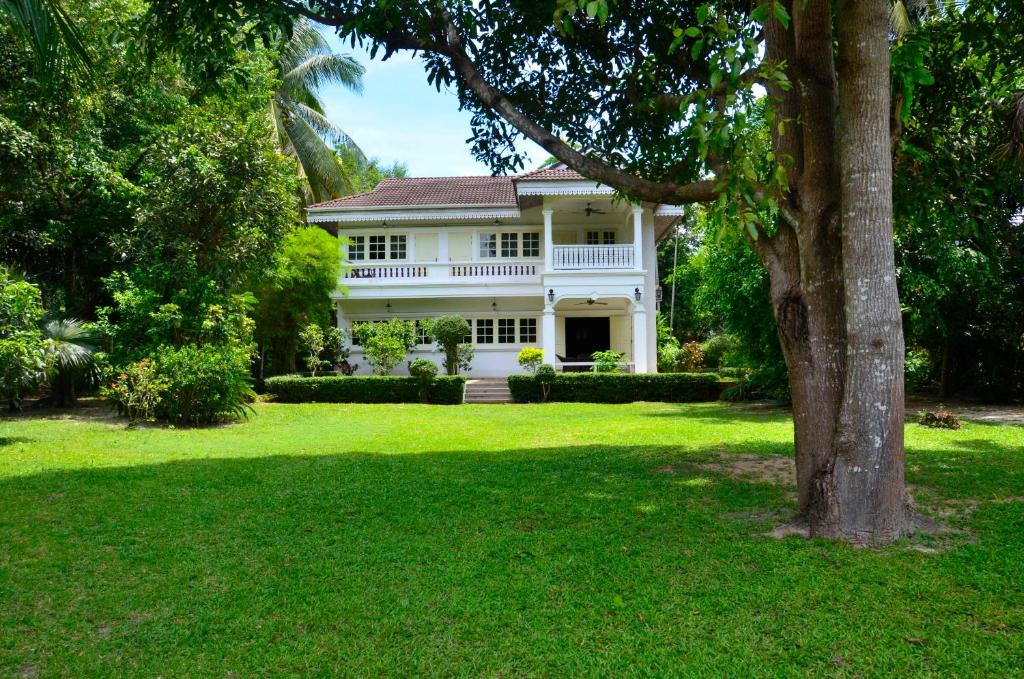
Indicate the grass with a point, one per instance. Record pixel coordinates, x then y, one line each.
406 540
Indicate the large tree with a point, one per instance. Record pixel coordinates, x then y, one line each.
654 98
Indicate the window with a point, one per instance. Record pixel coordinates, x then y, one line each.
600 238
506 331
357 248
510 244
468 338
397 247
488 245
485 331
531 244
421 333
377 247
527 330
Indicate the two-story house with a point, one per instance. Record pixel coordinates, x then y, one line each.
546 259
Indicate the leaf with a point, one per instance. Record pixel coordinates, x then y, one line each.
592 9
693 32
716 78
696 49
752 230
781 14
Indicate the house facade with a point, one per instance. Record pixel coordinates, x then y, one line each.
545 259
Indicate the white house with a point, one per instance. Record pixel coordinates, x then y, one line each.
546 259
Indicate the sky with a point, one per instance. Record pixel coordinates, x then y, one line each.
399 117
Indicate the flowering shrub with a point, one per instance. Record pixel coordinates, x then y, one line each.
137 390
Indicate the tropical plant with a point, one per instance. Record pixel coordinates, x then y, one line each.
205 384
386 344
530 358
56 43
303 131
450 333
70 348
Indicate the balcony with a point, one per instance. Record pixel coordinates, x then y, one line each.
587 257
454 272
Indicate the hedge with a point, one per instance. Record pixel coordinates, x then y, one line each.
619 387
363 389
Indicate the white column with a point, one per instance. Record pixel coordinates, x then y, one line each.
639 338
638 237
549 245
442 247
547 334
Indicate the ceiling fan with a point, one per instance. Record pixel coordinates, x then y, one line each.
591 301
593 211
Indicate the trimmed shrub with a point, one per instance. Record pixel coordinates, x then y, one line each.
530 358
618 388
425 372
364 389
691 358
205 384
449 333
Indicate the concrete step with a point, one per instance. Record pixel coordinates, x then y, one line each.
487 391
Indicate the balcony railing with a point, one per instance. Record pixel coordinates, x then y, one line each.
568 257
438 272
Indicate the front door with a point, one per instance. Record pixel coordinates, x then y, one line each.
585 335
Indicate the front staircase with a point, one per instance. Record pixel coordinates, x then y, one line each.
488 390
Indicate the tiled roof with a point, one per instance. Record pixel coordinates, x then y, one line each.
427 191
437 191
550 173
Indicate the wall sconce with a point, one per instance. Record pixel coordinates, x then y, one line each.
388 306
636 294
551 295
658 294
494 306
384 223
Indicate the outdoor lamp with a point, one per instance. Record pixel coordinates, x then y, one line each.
551 294
636 294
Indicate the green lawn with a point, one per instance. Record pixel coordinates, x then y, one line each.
485 541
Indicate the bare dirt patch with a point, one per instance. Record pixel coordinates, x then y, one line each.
753 468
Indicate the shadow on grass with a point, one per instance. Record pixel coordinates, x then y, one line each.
574 560
725 413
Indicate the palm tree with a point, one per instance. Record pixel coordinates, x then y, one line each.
70 354
303 131
56 43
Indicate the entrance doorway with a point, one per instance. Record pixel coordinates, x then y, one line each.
585 335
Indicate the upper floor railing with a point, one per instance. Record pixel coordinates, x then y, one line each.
592 257
442 272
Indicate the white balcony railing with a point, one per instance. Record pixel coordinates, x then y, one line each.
567 257
454 272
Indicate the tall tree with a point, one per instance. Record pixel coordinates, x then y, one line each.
304 133
657 94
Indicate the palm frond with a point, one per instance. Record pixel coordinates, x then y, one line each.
331 132
55 41
70 342
320 164
318 70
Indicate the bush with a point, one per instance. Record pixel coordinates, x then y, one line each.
318 342
607 361
669 356
137 390
450 332
530 358
691 358
423 371
386 344
719 350
369 389
206 384
545 377
616 388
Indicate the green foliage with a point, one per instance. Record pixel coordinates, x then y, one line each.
450 333
322 347
530 358
23 348
720 350
364 174
205 384
544 378
56 42
607 361
615 388
294 293
136 390
71 349
917 367
386 344
445 390
424 371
